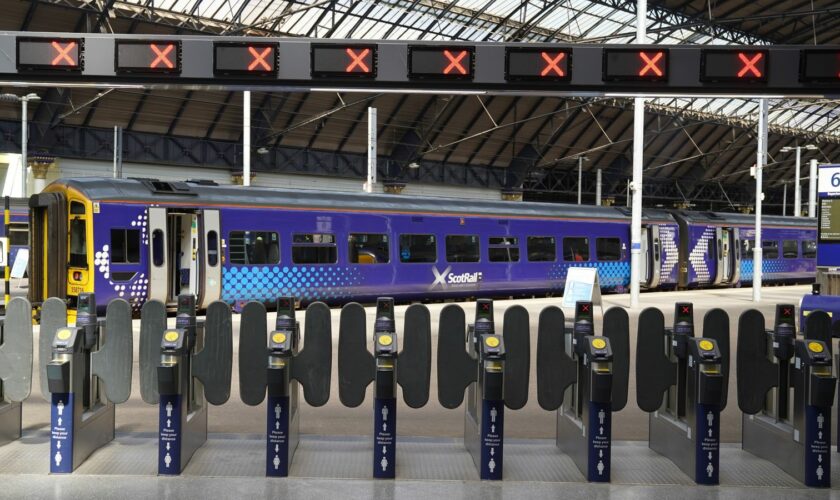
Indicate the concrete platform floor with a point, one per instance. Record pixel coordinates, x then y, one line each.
434 420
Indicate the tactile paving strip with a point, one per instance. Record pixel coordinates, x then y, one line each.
230 455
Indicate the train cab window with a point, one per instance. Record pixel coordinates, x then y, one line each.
809 249
418 248
790 249
462 248
770 249
314 248
254 247
541 249
366 248
125 246
78 235
747 249
18 235
608 249
503 249
576 249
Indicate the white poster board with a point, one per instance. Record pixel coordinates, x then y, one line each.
20 264
581 284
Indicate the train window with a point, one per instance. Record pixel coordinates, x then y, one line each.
790 249
462 248
770 249
366 248
576 249
19 235
77 208
157 247
541 249
212 248
314 248
254 247
125 246
78 243
607 249
747 249
809 249
504 249
418 248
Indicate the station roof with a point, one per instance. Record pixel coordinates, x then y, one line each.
693 140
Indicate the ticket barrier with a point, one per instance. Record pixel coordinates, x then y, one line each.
15 366
387 367
274 363
85 372
584 377
182 369
493 371
793 433
682 382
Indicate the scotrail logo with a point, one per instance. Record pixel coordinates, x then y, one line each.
446 278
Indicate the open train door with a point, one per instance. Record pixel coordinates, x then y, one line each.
650 256
185 255
48 251
727 256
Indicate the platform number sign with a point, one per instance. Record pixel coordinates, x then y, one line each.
734 65
441 62
49 54
148 57
245 59
635 65
828 179
356 61
543 64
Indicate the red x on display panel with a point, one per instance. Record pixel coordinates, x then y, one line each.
344 60
49 54
148 56
538 64
820 66
733 65
635 65
247 59
440 62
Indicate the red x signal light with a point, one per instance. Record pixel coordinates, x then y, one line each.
258 59
455 62
357 60
552 64
651 63
63 54
161 55
750 68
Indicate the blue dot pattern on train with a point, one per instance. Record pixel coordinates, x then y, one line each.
265 283
610 274
768 266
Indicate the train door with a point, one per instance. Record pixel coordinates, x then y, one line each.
727 256
185 256
651 253
48 259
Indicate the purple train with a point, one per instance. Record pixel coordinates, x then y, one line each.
142 239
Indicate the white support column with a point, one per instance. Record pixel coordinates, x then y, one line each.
370 185
797 193
580 179
246 138
638 164
761 160
812 190
24 140
784 199
598 187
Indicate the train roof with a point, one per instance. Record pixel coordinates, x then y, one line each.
744 219
202 193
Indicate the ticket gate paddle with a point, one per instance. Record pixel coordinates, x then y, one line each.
15 366
585 378
681 380
171 361
794 434
85 371
493 372
386 368
287 369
